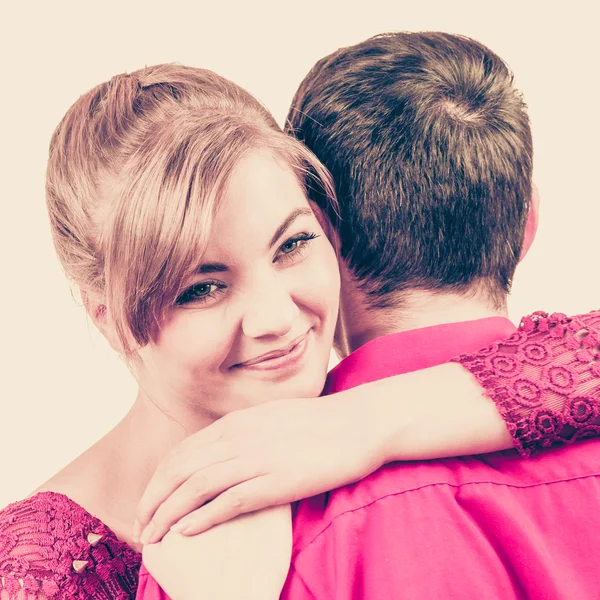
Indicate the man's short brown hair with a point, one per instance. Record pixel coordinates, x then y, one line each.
430 148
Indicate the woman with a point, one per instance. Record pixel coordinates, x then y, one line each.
180 209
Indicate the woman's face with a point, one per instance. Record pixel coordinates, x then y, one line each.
256 323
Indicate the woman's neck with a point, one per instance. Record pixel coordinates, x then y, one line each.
110 477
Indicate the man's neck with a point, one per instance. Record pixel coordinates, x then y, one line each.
359 324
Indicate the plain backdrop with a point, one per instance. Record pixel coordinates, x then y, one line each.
61 387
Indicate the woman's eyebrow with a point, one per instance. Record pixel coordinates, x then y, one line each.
212 268
295 214
299 212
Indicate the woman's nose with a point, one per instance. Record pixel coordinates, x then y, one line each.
270 312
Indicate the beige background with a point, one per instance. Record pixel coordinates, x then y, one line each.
60 386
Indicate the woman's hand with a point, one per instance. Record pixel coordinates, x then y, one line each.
287 450
262 456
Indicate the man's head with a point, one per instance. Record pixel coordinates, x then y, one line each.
430 148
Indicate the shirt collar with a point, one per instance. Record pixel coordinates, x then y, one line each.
415 350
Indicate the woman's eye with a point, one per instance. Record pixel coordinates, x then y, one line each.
295 246
290 246
200 292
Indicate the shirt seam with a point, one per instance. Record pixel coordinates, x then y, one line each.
436 484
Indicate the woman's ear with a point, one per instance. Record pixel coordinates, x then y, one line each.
532 221
95 306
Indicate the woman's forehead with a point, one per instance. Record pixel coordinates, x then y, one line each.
260 196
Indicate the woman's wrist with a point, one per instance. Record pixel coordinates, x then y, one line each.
373 418
433 413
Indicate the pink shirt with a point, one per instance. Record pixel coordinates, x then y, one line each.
148 588
485 527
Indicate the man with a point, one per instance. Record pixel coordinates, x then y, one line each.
430 148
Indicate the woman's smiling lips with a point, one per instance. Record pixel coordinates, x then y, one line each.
278 359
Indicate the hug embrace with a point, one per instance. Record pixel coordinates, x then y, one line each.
445 456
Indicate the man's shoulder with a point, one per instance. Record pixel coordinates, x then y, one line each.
400 485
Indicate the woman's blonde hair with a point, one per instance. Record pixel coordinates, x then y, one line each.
136 170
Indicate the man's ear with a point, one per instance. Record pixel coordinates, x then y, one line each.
96 308
532 221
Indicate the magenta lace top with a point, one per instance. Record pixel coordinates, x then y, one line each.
545 381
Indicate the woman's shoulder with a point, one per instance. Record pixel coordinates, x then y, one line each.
52 547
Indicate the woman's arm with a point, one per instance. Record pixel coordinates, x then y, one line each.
247 557
545 380
291 449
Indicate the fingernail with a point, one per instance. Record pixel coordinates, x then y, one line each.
147 533
179 527
137 530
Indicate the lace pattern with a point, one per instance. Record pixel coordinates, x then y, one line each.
52 549
545 379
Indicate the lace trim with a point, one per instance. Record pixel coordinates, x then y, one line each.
545 379
50 547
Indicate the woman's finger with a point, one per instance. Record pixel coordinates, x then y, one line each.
252 495
201 487
172 472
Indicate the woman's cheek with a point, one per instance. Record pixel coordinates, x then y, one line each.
327 277
320 283
197 338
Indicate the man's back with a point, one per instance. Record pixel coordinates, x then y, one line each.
481 527
491 526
